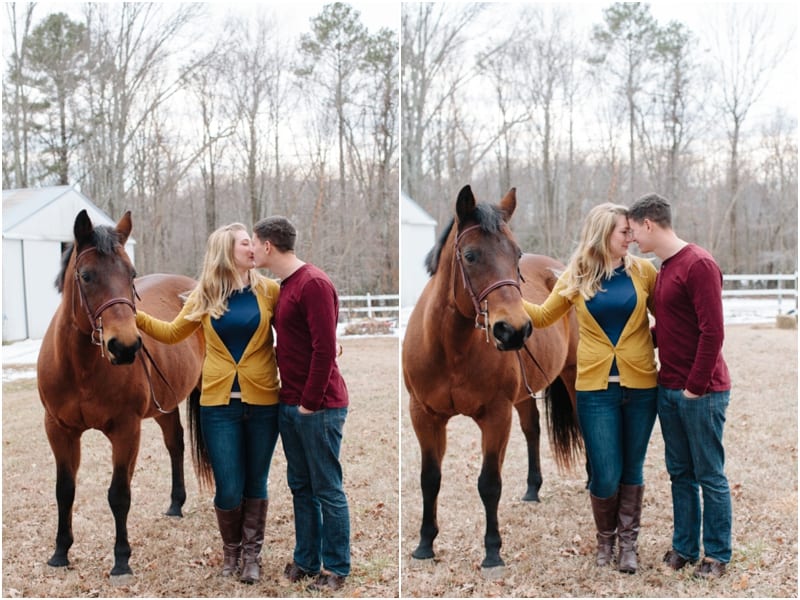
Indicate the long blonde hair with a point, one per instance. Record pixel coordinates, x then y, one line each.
219 277
591 262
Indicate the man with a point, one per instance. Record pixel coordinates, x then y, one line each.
694 387
313 407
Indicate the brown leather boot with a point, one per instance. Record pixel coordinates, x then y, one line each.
253 522
605 519
630 513
230 528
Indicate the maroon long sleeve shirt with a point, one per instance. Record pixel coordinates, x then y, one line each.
689 323
306 349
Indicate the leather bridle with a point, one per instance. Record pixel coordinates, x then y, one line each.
483 311
479 299
95 316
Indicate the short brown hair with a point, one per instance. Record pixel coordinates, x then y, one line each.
278 231
652 207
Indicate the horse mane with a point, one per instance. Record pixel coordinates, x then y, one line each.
489 218
105 240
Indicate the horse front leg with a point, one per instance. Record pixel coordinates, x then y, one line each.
172 431
431 434
495 428
529 421
66 447
125 449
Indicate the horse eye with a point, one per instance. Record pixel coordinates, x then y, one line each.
86 276
134 274
470 256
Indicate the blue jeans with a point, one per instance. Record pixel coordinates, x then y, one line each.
321 515
240 439
616 424
695 458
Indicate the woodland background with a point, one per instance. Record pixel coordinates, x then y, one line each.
575 105
194 115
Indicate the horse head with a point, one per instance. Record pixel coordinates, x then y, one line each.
487 258
98 271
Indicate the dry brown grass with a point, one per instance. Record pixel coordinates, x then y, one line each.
548 547
181 557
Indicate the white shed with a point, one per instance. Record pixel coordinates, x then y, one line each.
37 226
417 237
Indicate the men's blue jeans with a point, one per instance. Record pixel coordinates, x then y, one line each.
321 514
240 439
695 457
616 424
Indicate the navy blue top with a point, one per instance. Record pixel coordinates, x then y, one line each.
237 326
612 306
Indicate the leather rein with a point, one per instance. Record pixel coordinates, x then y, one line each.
95 318
482 312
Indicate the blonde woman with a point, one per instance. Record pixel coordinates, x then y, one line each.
234 305
611 292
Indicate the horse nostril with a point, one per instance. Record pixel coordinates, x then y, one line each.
528 329
508 337
123 354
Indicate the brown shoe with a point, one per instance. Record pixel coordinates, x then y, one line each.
675 561
710 569
294 573
326 582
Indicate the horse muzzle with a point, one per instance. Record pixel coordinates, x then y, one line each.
507 337
120 353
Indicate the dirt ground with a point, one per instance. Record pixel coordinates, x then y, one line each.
181 557
549 547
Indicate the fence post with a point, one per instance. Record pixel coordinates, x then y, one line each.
369 305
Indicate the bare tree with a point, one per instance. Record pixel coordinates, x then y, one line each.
129 48
432 37
16 109
546 55
745 53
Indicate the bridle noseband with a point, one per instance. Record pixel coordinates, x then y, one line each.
95 316
481 298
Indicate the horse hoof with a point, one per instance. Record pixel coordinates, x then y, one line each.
58 561
493 573
122 578
422 554
174 512
530 497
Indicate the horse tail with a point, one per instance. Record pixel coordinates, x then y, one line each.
566 441
202 464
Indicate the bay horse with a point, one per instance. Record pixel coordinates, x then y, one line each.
461 355
89 376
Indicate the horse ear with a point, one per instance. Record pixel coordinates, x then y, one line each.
509 203
465 205
83 228
124 227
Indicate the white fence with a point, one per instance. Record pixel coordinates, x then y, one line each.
782 288
369 306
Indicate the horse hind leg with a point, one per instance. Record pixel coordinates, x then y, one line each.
66 449
431 434
172 431
529 422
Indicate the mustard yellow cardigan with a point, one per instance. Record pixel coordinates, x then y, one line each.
257 369
634 350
